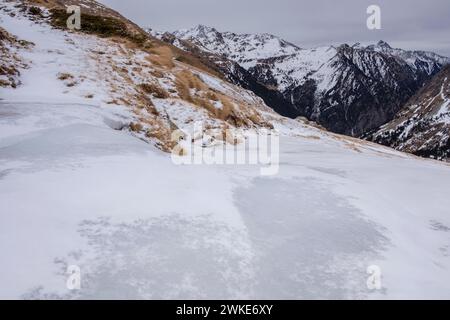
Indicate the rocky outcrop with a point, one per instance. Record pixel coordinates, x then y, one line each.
422 126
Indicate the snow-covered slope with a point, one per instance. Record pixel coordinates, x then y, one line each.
348 90
75 192
422 127
150 82
80 185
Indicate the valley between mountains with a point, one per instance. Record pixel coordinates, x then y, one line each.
347 89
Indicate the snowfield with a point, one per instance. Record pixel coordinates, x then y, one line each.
75 189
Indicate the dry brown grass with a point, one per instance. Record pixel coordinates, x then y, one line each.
206 104
226 110
182 86
197 61
157 74
136 127
161 133
190 80
211 95
45 3
4 83
144 102
353 147
232 137
183 91
125 101
161 57
113 101
154 89
311 137
71 84
185 81
206 97
254 117
225 113
94 13
64 76
8 70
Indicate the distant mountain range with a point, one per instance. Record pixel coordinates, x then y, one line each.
348 89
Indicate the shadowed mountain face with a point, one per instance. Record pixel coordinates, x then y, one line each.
422 126
347 89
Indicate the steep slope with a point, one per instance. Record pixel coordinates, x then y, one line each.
422 126
161 87
83 187
347 89
11 61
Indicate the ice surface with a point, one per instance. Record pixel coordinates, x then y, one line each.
142 227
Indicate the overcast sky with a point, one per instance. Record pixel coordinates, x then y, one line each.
409 24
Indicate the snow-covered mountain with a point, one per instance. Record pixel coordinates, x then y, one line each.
347 89
422 127
245 49
86 181
423 61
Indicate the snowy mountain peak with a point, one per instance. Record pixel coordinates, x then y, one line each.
245 49
422 61
379 46
199 30
383 44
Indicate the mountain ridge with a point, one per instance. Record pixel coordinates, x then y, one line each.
339 87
